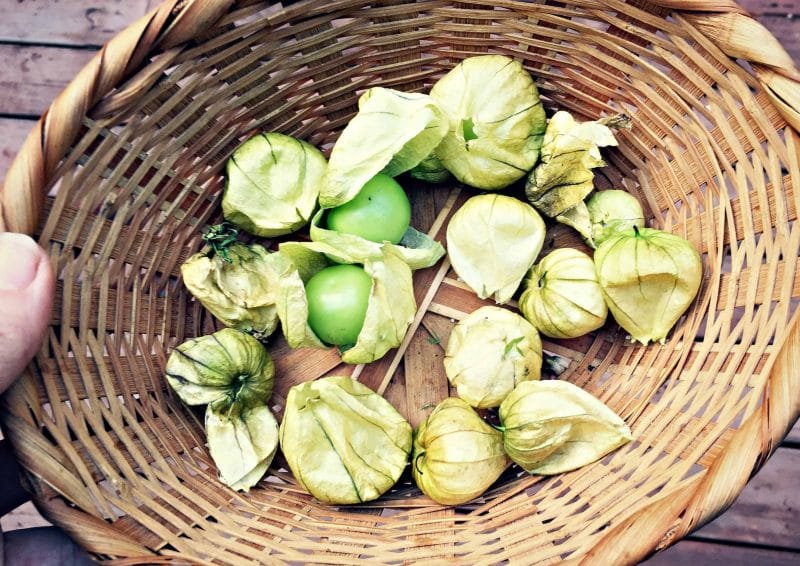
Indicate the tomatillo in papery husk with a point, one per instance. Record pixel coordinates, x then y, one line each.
648 278
343 442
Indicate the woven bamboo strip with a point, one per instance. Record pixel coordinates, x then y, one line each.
171 98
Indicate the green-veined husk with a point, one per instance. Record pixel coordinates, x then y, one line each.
272 184
392 132
489 352
227 364
562 297
343 442
550 427
649 278
492 241
457 456
496 121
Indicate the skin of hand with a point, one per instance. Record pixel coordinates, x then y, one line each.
27 284
26 294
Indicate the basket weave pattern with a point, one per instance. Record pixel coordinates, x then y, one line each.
123 172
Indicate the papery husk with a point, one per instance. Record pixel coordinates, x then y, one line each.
562 297
457 456
500 101
238 288
392 132
563 178
417 249
343 442
488 353
242 442
492 241
648 278
551 427
228 364
272 184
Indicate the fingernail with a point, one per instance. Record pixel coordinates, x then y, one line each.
19 261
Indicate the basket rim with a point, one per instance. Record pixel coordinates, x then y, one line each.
119 68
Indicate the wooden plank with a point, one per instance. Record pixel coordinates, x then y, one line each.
709 554
426 382
759 8
12 134
766 511
77 22
32 76
23 517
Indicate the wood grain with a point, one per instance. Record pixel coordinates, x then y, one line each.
766 511
76 22
32 76
794 434
12 133
691 552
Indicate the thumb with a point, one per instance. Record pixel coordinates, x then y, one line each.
26 296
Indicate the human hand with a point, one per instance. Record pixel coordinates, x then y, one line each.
27 284
26 295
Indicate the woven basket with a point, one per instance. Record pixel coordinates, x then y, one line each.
123 172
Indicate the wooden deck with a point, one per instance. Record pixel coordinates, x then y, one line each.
44 43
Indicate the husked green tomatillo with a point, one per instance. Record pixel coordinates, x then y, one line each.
648 278
457 456
562 297
390 308
489 352
550 427
343 442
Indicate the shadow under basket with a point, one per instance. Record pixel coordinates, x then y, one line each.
123 173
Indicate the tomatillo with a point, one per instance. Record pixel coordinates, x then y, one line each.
379 212
337 303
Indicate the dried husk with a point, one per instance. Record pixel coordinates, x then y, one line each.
562 297
489 352
551 427
563 178
343 442
457 456
239 288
